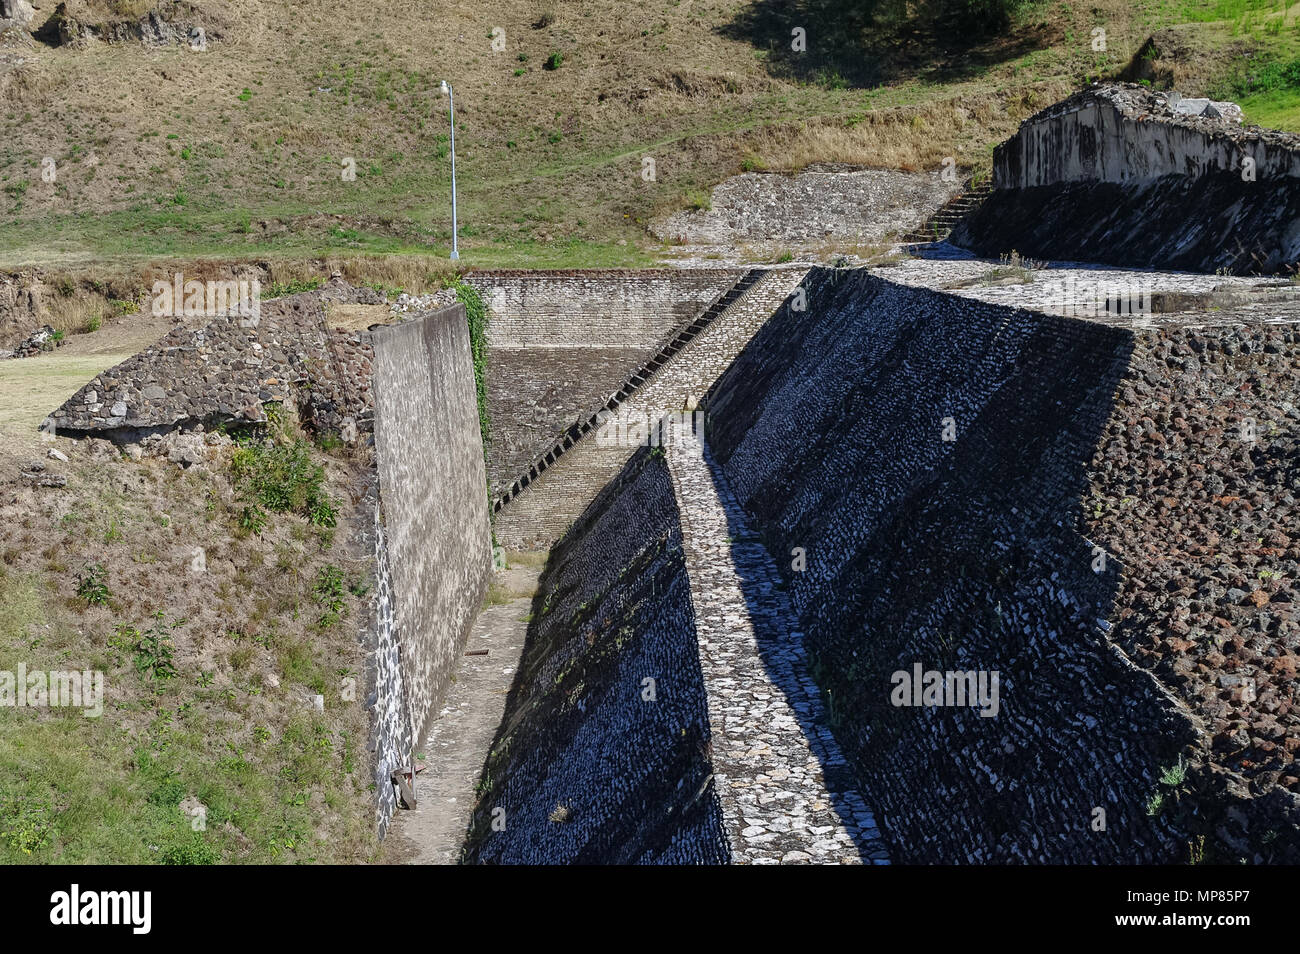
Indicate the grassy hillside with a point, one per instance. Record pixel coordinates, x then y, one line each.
238 151
209 747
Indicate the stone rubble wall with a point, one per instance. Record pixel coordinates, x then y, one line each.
225 369
546 508
562 342
956 555
1194 489
864 205
585 768
390 740
433 495
22 308
599 308
1116 175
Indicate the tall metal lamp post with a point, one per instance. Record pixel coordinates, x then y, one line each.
451 97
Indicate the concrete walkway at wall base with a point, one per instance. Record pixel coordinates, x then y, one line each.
788 794
460 738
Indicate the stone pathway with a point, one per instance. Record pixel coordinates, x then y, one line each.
461 736
787 792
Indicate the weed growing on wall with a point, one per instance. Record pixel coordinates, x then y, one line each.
476 314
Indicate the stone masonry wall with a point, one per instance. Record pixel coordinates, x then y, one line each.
434 501
561 342
226 368
1194 490
1114 175
608 308
541 514
586 767
957 555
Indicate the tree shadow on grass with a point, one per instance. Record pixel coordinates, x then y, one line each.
866 43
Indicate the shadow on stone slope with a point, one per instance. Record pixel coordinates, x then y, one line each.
586 768
955 555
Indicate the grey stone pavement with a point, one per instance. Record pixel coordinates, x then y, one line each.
461 736
788 794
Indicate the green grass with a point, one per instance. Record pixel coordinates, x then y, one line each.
548 162
1218 10
281 478
1268 91
110 790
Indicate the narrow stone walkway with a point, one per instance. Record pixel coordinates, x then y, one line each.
461 736
788 795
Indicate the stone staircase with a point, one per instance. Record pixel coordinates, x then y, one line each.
547 500
635 381
940 225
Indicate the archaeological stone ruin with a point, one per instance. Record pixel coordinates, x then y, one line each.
959 558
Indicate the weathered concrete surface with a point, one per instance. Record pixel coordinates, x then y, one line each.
1115 174
434 501
460 738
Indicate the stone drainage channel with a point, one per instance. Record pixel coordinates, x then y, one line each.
787 792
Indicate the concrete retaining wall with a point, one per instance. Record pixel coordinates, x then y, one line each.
433 495
1114 175
541 514
606 308
561 342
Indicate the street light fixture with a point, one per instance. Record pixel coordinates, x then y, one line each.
451 97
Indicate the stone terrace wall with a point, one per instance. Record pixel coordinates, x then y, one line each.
434 502
1114 175
608 308
956 555
563 341
228 367
586 768
543 512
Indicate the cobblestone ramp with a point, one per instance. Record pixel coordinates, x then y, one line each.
786 790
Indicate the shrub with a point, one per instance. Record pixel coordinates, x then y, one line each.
554 61
281 478
92 585
152 648
476 315
193 850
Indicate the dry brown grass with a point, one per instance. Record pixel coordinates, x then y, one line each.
911 138
545 155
